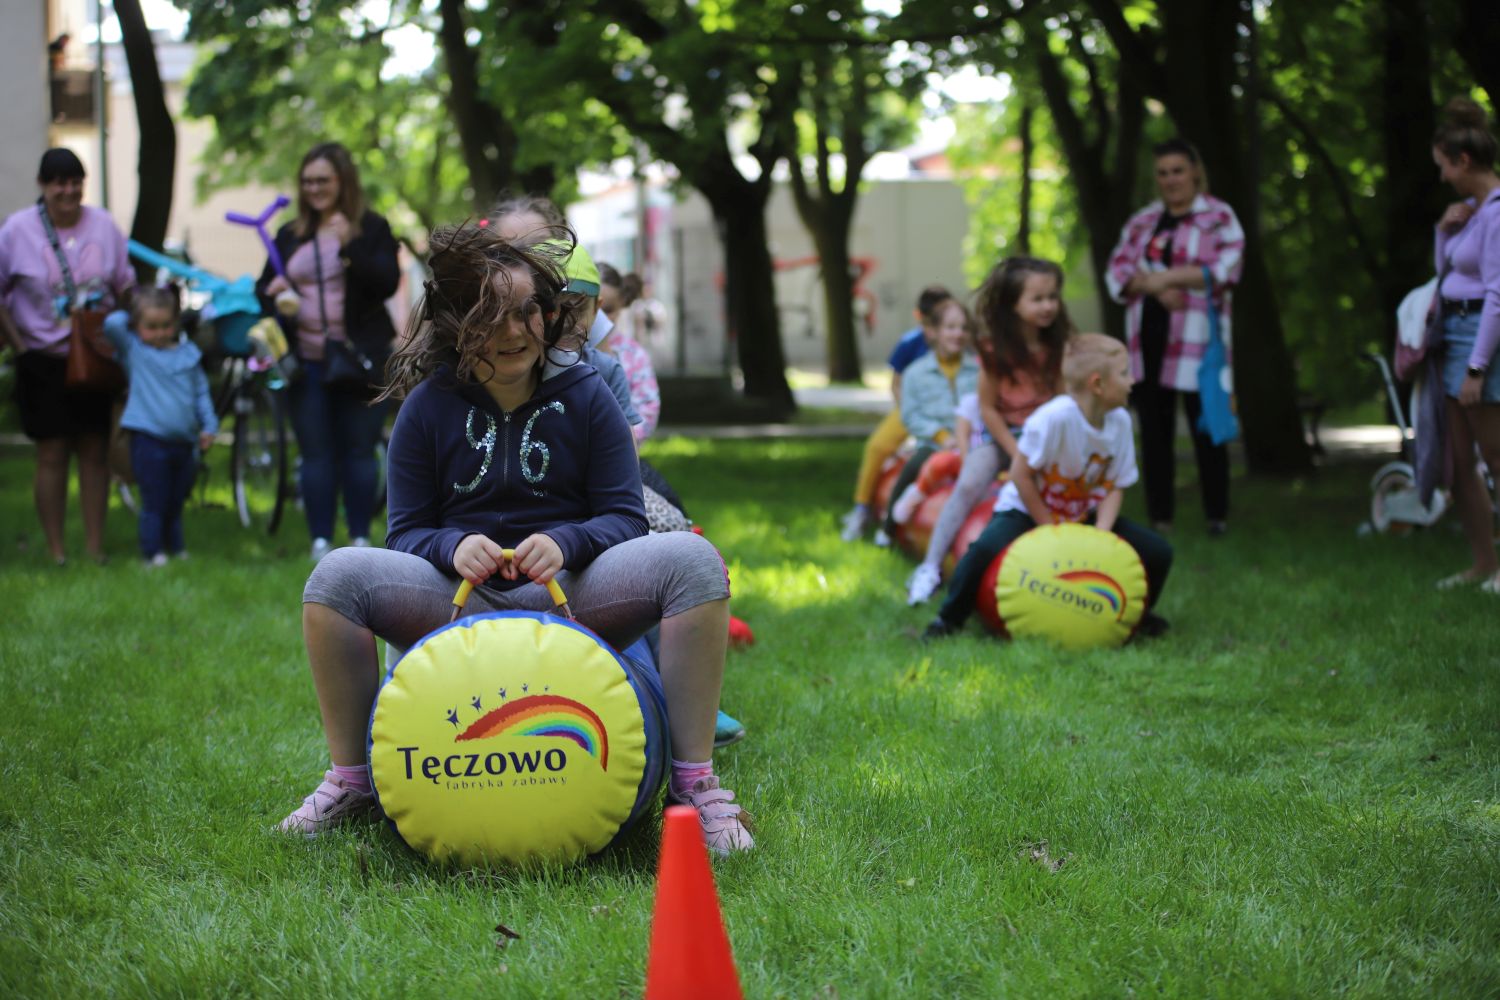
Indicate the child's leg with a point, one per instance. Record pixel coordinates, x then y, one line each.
184 469
680 579
980 467
963 590
352 596
1157 408
880 445
1213 462
1155 552
149 462
909 473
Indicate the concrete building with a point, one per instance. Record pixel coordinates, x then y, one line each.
52 100
907 233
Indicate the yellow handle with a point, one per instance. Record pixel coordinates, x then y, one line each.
466 588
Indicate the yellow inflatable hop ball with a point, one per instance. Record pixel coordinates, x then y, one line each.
1070 583
514 737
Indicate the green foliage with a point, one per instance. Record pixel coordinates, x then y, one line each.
1318 59
986 156
276 80
1291 794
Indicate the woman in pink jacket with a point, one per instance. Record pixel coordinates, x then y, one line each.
1156 271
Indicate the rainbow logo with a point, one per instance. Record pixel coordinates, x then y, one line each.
1100 585
545 715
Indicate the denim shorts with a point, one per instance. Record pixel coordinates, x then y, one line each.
1459 333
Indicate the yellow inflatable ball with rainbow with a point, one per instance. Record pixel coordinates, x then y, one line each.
514 737
1071 583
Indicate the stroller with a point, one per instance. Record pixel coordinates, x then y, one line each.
1395 503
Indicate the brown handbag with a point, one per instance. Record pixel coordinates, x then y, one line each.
91 363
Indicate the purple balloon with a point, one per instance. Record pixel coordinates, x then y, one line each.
258 223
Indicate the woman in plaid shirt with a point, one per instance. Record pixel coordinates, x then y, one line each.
1156 272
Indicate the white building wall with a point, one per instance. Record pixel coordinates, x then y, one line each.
25 112
913 229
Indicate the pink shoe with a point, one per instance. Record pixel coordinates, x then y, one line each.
331 804
726 827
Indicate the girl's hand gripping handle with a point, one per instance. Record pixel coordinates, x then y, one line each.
465 588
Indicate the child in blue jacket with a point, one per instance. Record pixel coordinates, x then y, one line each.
489 454
169 414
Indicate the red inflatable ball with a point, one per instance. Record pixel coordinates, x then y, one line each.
1070 583
939 471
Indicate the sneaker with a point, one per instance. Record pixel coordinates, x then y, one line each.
881 539
180 555
160 559
1218 529
726 827
727 730
360 543
320 548
906 505
939 629
331 804
855 522
924 580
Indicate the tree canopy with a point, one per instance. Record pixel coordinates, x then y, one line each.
1313 121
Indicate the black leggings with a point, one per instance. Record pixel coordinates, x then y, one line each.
1156 406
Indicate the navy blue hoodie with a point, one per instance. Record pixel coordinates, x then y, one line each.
563 463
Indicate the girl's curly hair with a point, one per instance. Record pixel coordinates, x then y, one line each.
469 294
1002 347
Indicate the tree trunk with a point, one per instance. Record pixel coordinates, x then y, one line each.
156 165
488 140
1103 178
1028 152
750 295
832 241
1408 121
1478 42
1201 78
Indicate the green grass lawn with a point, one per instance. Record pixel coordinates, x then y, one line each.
1295 793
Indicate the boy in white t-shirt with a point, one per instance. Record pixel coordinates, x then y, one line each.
1075 458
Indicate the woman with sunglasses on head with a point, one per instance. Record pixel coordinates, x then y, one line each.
341 267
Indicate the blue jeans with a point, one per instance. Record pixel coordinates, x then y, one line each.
336 435
164 473
1459 334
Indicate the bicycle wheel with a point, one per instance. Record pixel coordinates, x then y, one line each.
258 459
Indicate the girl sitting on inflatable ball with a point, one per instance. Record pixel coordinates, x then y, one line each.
1073 462
486 455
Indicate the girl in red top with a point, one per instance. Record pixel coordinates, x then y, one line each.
1023 326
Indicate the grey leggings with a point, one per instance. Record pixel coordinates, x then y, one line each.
981 465
620 595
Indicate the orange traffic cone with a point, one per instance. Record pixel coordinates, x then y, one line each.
690 957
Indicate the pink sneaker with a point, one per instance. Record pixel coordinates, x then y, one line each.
726 827
331 803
